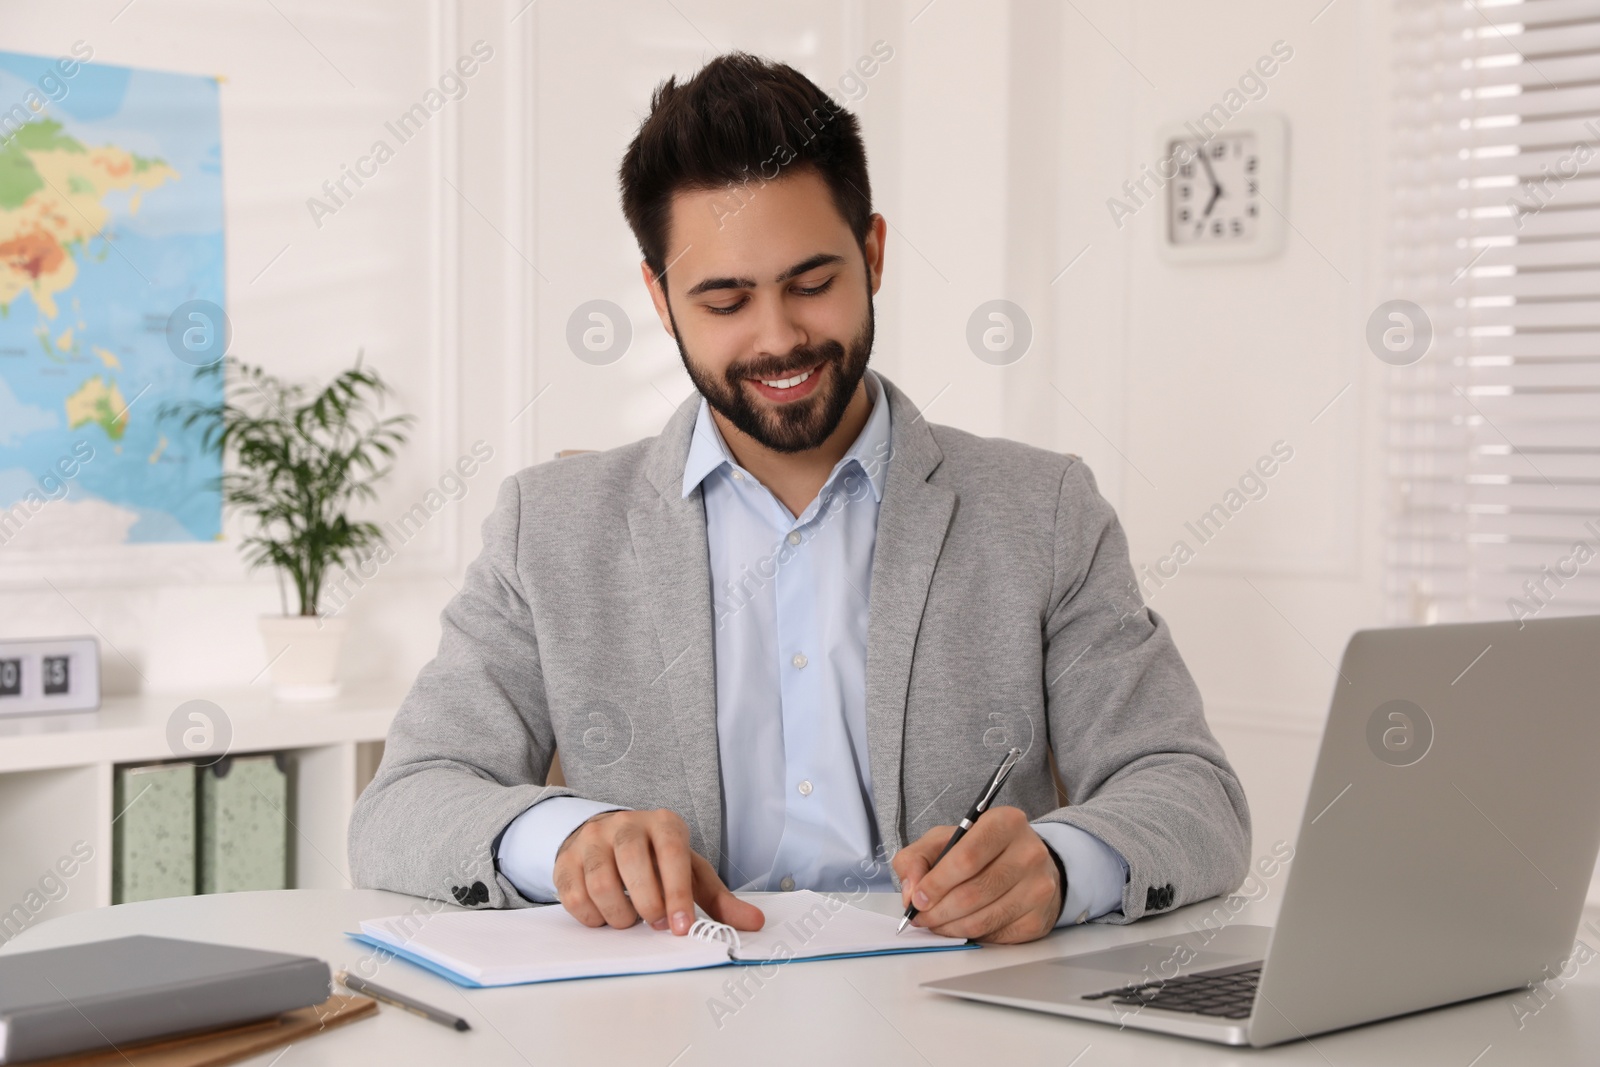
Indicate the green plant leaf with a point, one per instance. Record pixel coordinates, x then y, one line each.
299 460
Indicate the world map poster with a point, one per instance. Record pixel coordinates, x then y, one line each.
111 226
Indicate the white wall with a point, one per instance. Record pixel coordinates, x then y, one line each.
996 133
1207 366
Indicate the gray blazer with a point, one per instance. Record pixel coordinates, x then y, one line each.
1003 612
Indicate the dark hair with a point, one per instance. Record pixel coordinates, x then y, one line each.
740 119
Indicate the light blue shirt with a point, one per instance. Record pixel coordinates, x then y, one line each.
790 604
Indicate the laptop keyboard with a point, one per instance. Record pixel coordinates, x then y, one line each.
1226 994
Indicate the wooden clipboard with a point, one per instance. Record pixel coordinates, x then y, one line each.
217 1047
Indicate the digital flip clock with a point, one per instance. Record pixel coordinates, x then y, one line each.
51 674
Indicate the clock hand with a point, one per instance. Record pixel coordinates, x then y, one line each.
1206 163
1216 187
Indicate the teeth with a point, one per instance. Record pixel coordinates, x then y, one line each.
789 383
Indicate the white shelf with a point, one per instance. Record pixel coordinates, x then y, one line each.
134 729
56 786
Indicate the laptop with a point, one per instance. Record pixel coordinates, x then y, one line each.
1444 854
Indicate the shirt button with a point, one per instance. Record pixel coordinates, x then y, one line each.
738 475
787 884
1083 916
794 537
805 788
799 659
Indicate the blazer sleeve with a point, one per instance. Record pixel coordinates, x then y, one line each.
470 747
1142 770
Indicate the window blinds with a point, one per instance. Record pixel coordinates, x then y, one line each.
1493 438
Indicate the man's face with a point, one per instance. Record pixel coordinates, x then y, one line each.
766 284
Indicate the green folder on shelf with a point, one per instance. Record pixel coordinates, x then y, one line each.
244 828
153 832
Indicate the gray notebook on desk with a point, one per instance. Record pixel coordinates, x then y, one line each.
106 993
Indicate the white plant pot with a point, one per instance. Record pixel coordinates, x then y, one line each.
304 653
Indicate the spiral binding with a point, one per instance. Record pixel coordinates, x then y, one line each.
711 930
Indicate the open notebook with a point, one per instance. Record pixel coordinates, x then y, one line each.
492 948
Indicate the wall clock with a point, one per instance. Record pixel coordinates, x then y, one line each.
1225 199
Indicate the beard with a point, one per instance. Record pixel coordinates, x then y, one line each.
797 425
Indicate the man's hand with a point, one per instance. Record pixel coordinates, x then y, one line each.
647 854
998 884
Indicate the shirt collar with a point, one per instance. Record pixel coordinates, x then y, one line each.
870 450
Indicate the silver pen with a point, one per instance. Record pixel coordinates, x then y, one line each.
979 806
400 1000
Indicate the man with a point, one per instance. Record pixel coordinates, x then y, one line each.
783 644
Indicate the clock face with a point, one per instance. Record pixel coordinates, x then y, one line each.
1214 199
58 674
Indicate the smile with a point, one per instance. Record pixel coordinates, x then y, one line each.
788 383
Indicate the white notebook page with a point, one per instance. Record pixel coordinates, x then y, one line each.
507 947
540 944
803 925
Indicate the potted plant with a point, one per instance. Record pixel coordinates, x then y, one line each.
299 461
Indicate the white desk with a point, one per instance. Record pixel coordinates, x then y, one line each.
817 1014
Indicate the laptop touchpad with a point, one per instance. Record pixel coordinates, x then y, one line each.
1153 958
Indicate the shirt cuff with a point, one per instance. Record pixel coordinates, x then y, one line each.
527 851
1096 872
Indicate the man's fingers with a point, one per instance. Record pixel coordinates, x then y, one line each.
913 861
574 897
926 848
724 907
910 869
604 885
671 844
719 901
978 847
1015 916
637 868
976 893
910 878
639 864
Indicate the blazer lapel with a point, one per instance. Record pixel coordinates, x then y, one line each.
669 538
912 521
